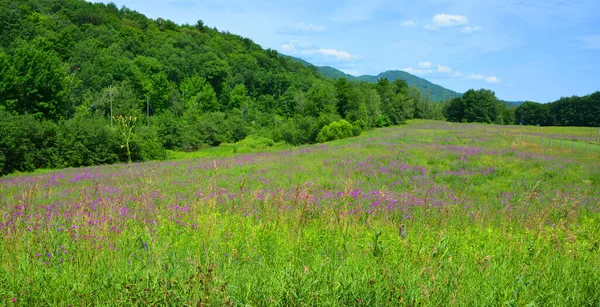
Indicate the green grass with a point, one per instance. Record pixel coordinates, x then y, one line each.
247 146
489 220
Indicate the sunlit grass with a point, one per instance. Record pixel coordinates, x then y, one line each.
489 219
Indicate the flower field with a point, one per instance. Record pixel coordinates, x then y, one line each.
430 213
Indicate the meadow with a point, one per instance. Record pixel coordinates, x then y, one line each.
430 213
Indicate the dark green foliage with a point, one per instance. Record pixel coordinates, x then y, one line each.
344 95
25 143
148 145
85 141
454 110
531 113
32 79
396 102
172 131
567 111
235 126
211 129
478 106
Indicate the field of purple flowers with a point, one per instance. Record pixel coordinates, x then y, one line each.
425 214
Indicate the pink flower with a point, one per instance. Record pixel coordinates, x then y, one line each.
14 299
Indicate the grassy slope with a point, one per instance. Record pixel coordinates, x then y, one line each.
490 220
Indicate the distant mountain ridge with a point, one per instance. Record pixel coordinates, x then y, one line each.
436 92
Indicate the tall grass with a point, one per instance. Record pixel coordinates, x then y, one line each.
425 214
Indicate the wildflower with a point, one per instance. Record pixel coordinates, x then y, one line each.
14 299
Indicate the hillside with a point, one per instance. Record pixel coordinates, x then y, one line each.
437 92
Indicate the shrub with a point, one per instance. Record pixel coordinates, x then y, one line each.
147 145
171 130
256 142
86 141
335 131
25 143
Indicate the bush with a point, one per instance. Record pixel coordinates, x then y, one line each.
147 145
256 142
171 130
236 126
86 141
25 143
211 129
335 131
358 127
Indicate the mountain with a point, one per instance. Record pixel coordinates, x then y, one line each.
512 104
436 92
332 73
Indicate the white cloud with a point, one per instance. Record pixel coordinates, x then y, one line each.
444 69
446 21
469 29
590 42
302 28
425 64
338 54
409 23
490 79
306 48
417 71
294 45
288 47
457 74
425 68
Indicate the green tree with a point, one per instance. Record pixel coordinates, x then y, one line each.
32 80
481 106
159 91
454 110
344 96
199 94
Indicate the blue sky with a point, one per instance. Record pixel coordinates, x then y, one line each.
522 50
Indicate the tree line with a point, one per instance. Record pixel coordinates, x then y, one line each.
567 111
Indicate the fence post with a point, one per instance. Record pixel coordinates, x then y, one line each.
550 142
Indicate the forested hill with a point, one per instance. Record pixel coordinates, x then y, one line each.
436 92
75 76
